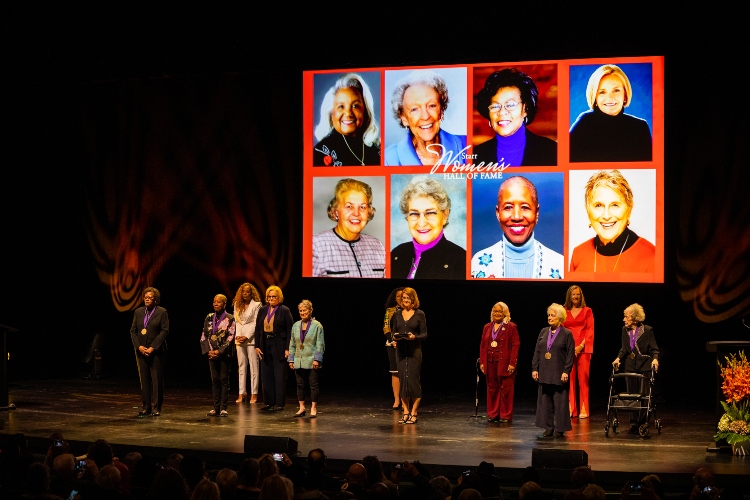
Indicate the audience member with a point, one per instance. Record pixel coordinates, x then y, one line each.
132 458
37 482
226 479
374 470
110 482
594 492
101 453
193 471
470 494
356 479
581 477
168 485
276 487
174 461
317 478
526 488
267 467
247 479
442 486
206 490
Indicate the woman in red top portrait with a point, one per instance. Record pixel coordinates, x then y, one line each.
498 359
580 321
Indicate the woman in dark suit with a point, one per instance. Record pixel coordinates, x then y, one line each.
273 331
498 359
149 335
553 359
640 354
409 329
508 101
217 340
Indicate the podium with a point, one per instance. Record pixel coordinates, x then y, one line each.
723 348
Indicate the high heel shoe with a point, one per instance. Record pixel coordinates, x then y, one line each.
300 414
241 399
412 420
405 419
254 398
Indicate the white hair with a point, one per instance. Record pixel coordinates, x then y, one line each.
371 135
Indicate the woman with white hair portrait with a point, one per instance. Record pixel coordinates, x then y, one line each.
605 132
348 133
419 102
426 207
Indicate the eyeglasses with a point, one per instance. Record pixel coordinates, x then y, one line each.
430 215
269 297
509 106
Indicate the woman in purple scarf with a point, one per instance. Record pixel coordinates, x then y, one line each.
217 340
426 208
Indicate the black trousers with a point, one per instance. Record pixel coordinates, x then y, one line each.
307 377
151 371
273 369
220 381
552 410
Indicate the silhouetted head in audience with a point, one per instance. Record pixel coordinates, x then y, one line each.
64 467
316 460
174 460
109 478
276 488
226 479
356 475
101 453
37 479
528 488
379 491
247 477
582 476
594 492
470 494
653 481
168 485
206 490
374 470
442 486
133 457
267 467
530 474
192 469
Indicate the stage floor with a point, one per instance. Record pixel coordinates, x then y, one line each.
350 426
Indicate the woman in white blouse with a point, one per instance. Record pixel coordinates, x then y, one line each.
246 305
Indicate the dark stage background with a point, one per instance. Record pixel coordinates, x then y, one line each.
165 149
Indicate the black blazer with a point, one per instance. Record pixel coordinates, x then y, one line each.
645 351
156 330
446 260
539 151
282 329
563 355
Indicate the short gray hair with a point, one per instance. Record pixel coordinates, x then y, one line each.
559 311
636 312
418 77
428 187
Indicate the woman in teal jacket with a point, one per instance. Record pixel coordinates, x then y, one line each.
306 356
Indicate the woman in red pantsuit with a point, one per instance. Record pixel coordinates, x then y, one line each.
580 321
498 358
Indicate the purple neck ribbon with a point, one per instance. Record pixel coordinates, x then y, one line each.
551 337
271 312
495 329
419 249
147 316
633 335
303 331
215 322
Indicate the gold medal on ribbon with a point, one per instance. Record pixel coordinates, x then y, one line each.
143 332
267 327
632 355
547 355
302 347
493 343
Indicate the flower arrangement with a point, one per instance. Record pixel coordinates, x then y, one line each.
734 425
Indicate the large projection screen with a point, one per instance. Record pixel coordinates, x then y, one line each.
527 170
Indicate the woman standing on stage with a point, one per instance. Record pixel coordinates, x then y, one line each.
409 328
498 358
306 356
551 365
392 303
246 304
217 341
273 329
580 321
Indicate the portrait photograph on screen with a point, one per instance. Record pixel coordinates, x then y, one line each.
612 222
428 227
426 108
611 112
347 119
348 230
515 115
517 227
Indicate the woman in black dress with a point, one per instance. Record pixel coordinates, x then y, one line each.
553 359
409 329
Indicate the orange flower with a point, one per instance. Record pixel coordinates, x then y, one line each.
736 375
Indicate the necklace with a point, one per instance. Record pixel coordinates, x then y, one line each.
362 161
618 255
423 159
